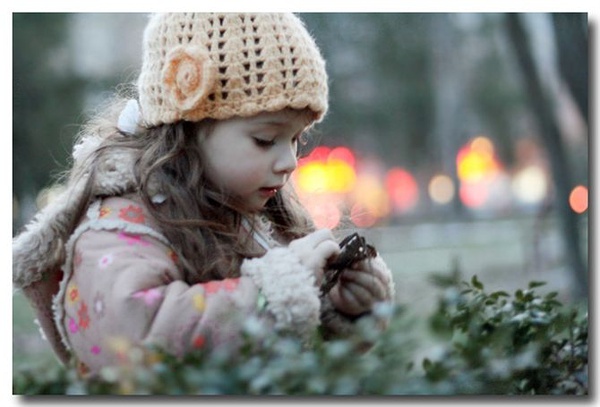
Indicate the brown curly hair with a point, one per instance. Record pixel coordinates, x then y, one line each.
198 219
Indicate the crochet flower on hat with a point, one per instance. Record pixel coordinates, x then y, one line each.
188 76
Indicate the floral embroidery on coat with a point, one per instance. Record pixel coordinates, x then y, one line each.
99 306
105 211
149 296
132 239
73 293
105 260
229 284
132 213
84 317
73 327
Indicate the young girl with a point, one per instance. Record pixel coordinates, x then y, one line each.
177 223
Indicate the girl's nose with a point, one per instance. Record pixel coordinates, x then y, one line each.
286 161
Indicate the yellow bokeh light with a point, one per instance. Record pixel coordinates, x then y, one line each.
340 176
476 160
329 186
474 166
312 177
335 176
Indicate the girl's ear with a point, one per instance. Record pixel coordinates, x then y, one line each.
304 148
204 129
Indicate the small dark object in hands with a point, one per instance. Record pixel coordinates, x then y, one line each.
354 248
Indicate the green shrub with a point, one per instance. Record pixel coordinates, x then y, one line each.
488 343
524 344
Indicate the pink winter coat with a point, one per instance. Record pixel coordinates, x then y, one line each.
117 281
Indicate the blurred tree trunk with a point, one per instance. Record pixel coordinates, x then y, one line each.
572 47
447 76
550 133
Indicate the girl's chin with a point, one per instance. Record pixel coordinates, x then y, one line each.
250 204
254 207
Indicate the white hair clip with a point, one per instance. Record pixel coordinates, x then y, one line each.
129 117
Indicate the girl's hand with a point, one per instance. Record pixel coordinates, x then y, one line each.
314 250
361 286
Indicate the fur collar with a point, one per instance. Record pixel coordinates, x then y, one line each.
39 248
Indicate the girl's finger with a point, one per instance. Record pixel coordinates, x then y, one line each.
360 295
350 300
368 281
371 266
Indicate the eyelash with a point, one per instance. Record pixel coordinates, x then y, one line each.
270 143
264 143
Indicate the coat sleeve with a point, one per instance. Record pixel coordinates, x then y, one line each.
289 289
123 286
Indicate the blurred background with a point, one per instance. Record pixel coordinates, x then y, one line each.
453 141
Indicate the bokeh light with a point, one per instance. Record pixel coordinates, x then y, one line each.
326 171
339 187
371 197
402 189
477 167
530 185
342 154
578 199
325 212
441 189
473 194
362 217
476 160
311 178
330 186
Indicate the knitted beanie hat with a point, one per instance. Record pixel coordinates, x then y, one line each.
221 65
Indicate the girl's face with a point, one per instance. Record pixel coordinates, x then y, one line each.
251 158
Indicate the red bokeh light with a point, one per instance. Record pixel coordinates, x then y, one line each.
342 154
402 189
473 195
578 199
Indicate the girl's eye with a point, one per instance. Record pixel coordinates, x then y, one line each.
263 143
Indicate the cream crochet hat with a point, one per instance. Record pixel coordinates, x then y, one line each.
221 65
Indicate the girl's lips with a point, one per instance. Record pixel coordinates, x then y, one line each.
268 192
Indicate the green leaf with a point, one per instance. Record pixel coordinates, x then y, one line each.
497 294
519 295
476 283
534 284
427 364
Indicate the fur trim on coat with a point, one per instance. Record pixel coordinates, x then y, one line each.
39 250
289 288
